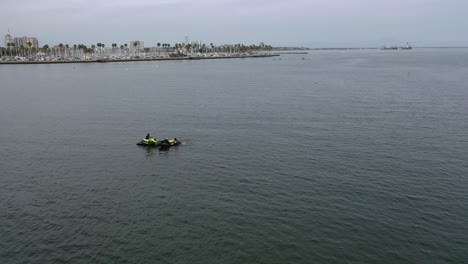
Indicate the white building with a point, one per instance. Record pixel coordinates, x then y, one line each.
23 41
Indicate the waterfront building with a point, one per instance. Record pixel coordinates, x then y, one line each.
23 41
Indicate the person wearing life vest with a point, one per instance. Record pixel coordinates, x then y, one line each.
149 139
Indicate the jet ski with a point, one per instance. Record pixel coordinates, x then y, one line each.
153 142
167 143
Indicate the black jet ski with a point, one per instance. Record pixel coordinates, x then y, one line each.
167 143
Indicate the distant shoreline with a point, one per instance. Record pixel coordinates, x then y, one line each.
139 59
373 48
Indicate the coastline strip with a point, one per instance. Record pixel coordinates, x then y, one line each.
139 59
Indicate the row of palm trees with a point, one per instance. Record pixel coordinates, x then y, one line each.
19 50
225 48
99 49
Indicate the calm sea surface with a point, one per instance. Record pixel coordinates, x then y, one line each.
343 157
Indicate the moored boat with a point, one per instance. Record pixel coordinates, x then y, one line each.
407 47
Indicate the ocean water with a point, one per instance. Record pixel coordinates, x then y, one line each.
340 157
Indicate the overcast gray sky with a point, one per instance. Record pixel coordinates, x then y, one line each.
312 23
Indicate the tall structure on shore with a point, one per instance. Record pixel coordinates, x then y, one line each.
7 39
23 41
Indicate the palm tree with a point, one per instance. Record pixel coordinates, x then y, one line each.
159 45
114 45
82 49
87 50
164 45
22 51
61 49
74 50
67 50
29 45
45 48
13 45
134 45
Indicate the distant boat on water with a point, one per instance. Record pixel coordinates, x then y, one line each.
407 47
389 48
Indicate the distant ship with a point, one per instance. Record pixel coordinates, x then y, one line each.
407 47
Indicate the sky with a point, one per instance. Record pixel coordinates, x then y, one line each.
307 23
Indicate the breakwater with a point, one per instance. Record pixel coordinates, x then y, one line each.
94 60
291 52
